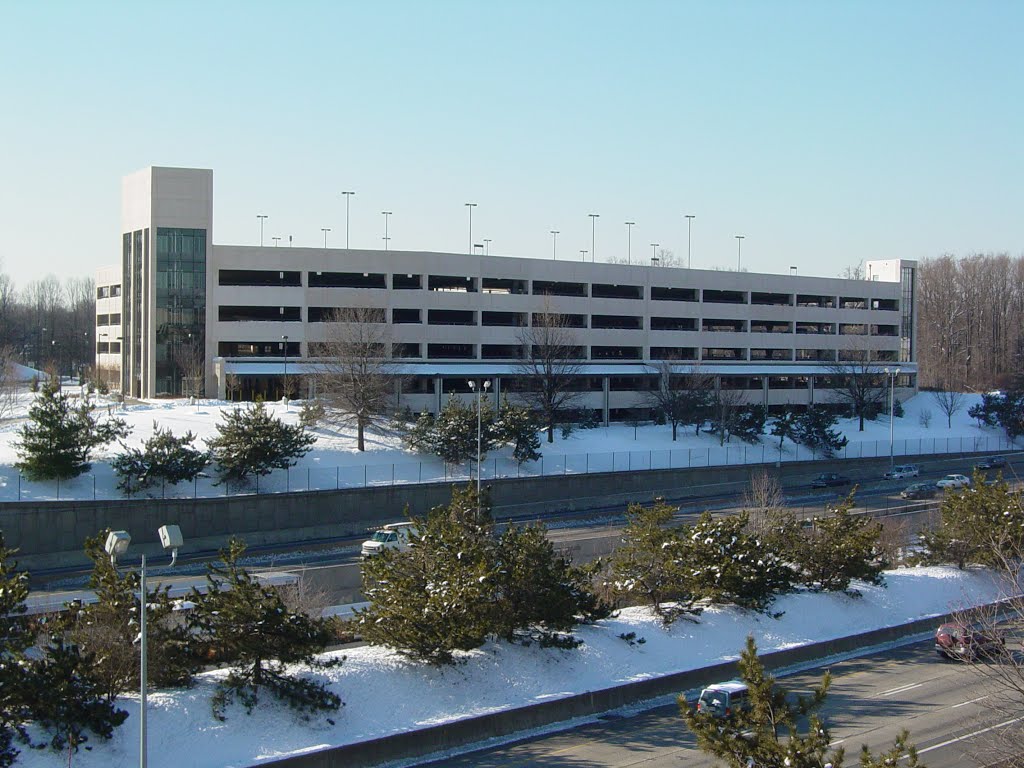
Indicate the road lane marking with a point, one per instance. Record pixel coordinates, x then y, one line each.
901 689
972 701
967 736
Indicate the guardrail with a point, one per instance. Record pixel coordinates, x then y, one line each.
316 478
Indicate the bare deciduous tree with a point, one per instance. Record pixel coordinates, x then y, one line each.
859 383
551 361
764 501
948 402
682 395
232 385
8 382
190 360
353 370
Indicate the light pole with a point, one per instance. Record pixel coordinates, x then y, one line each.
285 381
689 222
739 250
892 402
325 230
629 241
479 432
583 254
554 244
386 215
654 254
471 206
262 217
593 234
117 544
487 246
348 197
276 240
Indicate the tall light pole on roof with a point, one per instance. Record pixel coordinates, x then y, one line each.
470 207
276 240
262 217
325 230
739 250
583 254
487 246
689 222
593 234
654 254
629 241
554 245
386 215
348 197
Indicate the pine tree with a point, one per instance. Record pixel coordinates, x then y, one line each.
438 596
541 595
420 436
251 441
650 565
767 732
748 424
109 628
165 458
977 525
455 431
15 638
784 426
840 548
246 625
728 565
517 426
815 430
58 440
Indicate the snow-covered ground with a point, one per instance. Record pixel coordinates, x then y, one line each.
334 461
386 694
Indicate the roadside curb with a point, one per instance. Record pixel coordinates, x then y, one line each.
459 733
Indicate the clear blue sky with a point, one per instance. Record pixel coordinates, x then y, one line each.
824 132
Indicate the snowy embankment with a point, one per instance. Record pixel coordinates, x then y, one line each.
387 694
334 461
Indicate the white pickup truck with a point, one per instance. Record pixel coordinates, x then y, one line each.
391 536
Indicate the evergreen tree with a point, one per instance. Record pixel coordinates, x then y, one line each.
251 441
67 700
517 426
15 638
815 430
58 440
748 424
649 565
246 625
728 565
165 458
108 629
977 525
455 430
840 548
436 597
985 412
420 436
767 732
540 594
784 426
897 409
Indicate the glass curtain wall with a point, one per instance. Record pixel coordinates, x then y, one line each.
180 311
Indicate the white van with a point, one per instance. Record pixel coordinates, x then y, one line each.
391 536
723 699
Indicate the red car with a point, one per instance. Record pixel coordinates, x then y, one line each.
959 641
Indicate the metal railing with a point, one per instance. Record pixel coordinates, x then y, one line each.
429 470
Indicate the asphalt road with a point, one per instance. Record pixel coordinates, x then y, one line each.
942 703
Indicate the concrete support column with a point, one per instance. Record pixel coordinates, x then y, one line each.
605 389
437 394
764 391
810 390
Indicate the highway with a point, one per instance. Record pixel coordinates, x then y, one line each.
943 704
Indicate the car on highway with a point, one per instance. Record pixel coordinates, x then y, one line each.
392 536
901 471
723 700
829 480
991 462
963 643
918 491
954 481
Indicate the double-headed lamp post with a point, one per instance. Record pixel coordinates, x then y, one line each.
892 403
479 433
116 545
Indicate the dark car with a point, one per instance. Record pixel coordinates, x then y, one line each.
828 480
918 491
958 641
992 462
